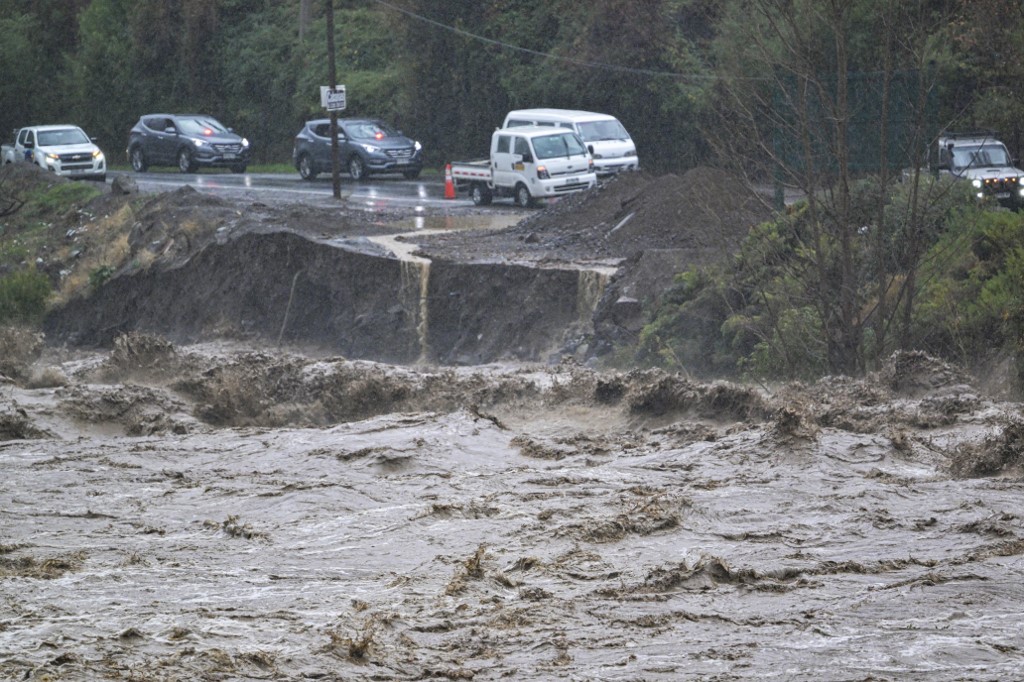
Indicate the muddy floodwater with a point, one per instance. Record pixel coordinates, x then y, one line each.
214 515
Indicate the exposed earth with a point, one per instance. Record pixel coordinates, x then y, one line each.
284 443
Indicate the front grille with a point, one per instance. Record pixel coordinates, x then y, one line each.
78 156
399 153
581 171
228 148
76 166
575 187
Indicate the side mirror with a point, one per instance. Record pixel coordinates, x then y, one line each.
590 148
170 129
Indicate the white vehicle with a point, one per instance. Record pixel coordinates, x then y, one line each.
606 138
526 164
985 162
64 149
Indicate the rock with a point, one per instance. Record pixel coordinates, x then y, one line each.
124 184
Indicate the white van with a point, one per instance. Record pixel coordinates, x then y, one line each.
609 143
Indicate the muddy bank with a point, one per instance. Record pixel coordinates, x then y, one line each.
195 513
357 300
571 280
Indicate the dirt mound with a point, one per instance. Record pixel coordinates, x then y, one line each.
704 210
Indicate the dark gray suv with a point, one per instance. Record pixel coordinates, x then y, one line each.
365 146
188 141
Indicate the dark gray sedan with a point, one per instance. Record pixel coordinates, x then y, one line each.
365 147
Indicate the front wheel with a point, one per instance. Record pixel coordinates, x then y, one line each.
523 198
480 194
185 162
306 169
138 160
356 168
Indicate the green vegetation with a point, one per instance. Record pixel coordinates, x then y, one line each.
23 297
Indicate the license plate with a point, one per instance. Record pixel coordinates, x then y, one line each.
1003 195
401 162
229 155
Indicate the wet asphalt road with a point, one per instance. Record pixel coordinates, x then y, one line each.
379 192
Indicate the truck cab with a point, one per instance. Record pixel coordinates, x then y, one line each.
534 162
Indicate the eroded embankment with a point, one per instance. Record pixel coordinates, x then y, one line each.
360 302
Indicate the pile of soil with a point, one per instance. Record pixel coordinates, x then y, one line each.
704 211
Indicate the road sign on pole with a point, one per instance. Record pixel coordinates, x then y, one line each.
332 99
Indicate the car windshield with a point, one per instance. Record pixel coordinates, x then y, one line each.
562 144
201 125
981 156
596 131
369 130
54 138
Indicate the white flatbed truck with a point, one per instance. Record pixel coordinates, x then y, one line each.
526 164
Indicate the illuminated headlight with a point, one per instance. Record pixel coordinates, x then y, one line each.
417 146
198 142
52 157
245 142
370 148
1022 191
977 184
98 155
981 195
542 173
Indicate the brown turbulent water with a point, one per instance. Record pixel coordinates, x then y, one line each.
207 514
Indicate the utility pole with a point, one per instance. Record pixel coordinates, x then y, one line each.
332 77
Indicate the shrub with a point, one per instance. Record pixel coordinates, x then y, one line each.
23 296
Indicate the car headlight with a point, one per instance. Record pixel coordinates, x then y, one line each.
417 146
976 183
198 142
370 148
52 157
245 142
98 155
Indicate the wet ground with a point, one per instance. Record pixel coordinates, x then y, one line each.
202 513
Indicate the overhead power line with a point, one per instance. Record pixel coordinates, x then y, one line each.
537 53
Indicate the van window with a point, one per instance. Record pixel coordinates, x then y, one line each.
522 146
513 123
503 144
595 131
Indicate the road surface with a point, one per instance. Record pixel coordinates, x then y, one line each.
377 193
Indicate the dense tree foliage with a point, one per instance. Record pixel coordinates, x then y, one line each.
447 72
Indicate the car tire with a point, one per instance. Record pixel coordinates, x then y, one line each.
523 198
307 171
411 174
356 168
186 164
480 194
138 159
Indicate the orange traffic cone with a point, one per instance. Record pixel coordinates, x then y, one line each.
449 184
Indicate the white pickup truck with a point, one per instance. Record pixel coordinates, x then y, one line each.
64 149
527 163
